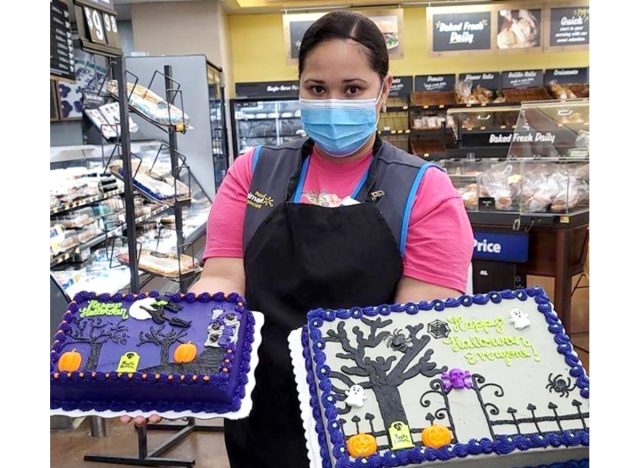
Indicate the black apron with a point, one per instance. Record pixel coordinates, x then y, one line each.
304 257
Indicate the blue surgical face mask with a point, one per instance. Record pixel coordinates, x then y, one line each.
340 127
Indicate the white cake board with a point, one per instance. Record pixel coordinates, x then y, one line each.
245 405
304 396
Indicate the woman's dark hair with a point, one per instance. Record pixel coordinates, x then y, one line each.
344 24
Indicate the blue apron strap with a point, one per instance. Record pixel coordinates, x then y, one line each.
303 177
362 181
409 204
256 156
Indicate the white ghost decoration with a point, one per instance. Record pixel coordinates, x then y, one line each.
519 319
215 313
136 310
355 396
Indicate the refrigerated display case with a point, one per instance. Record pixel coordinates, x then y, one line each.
215 80
265 122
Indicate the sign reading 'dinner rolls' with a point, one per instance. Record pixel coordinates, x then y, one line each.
461 31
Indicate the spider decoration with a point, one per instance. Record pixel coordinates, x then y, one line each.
456 378
398 341
560 385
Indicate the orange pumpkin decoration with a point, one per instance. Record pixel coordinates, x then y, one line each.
186 352
436 436
70 361
362 445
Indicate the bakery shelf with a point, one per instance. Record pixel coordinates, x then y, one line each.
195 235
394 132
64 256
85 201
178 274
397 108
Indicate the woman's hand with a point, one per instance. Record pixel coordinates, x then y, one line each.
221 274
140 420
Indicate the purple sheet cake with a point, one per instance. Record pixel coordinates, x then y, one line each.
152 352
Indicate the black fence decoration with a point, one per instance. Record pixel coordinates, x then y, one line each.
443 413
491 411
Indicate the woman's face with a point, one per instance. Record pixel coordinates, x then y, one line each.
339 69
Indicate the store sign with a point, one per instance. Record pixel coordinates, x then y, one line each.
489 80
567 75
435 82
389 21
97 27
501 246
483 138
402 86
461 31
268 89
61 63
569 26
296 33
522 79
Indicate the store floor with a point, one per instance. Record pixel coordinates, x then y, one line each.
69 447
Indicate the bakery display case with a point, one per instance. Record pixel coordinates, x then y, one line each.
265 122
546 168
480 132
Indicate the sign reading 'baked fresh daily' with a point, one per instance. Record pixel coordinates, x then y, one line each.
569 26
461 31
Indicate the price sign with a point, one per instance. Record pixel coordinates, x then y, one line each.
97 27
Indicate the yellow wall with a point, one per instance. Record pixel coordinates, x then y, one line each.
258 52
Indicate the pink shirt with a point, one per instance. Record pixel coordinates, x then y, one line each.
439 241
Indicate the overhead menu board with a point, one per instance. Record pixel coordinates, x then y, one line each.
569 26
263 89
61 47
435 82
402 86
522 79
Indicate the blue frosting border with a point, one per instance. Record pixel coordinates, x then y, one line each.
190 379
502 446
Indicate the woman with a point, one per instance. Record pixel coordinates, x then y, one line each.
339 220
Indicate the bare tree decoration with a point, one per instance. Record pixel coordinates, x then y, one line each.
158 337
96 332
380 374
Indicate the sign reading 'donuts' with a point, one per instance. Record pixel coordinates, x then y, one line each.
435 82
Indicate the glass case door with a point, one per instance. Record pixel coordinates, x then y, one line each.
218 123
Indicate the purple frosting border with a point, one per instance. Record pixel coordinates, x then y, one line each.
219 379
503 445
